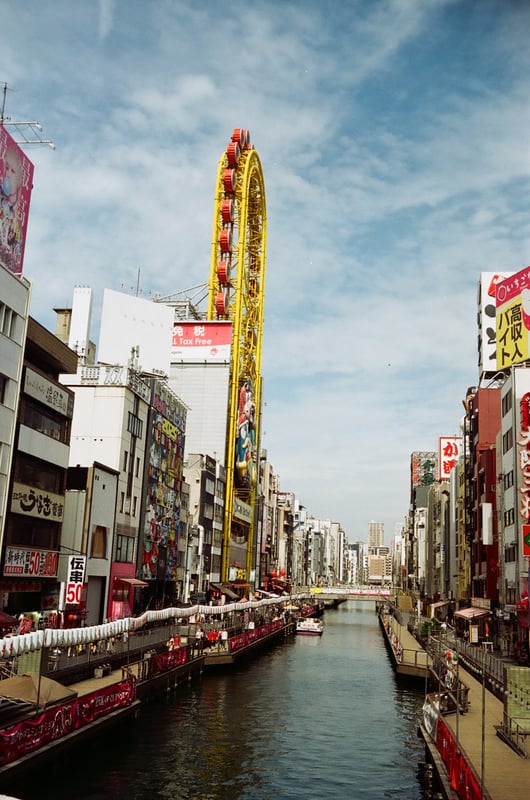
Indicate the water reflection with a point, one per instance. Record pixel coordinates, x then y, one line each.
313 718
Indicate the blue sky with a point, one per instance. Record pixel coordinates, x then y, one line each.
393 136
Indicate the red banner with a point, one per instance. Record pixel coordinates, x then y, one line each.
162 662
59 721
463 778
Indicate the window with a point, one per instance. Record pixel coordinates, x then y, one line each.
122 501
99 542
137 467
507 441
8 319
39 474
135 500
33 533
44 420
124 548
134 425
507 402
3 387
125 460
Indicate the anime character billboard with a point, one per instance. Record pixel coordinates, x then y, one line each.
245 461
16 183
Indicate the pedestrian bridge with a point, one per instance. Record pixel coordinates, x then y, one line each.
339 594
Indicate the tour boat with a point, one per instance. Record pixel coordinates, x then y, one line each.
310 626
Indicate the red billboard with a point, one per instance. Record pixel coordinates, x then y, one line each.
16 183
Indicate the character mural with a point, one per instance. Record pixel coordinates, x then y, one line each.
164 483
16 183
245 461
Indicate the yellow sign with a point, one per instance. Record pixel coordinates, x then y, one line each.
512 334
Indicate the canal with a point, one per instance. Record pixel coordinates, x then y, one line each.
313 718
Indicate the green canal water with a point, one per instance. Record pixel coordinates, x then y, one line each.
313 718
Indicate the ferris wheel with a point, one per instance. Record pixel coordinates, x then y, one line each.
236 294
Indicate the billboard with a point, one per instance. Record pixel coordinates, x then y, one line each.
449 450
245 460
487 338
422 468
164 486
129 322
199 342
513 319
16 183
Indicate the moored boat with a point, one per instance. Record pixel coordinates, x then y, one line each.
310 626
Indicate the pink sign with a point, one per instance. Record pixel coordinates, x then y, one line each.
16 183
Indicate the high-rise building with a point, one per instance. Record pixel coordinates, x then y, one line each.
376 534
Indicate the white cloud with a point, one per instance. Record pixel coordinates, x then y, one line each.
393 142
106 18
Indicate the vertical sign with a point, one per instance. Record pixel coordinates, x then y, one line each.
16 183
449 449
75 580
513 319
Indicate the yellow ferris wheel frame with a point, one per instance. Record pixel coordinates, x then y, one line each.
236 293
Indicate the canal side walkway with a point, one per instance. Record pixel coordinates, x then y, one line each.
409 659
496 771
501 770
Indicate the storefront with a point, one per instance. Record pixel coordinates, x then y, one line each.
473 624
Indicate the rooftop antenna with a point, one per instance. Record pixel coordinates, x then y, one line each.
28 131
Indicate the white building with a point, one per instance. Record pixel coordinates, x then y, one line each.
14 312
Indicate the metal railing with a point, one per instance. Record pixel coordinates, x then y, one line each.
514 734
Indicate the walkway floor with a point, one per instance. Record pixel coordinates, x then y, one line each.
506 774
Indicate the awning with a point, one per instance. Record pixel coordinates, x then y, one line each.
7 621
471 613
225 590
131 581
440 603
